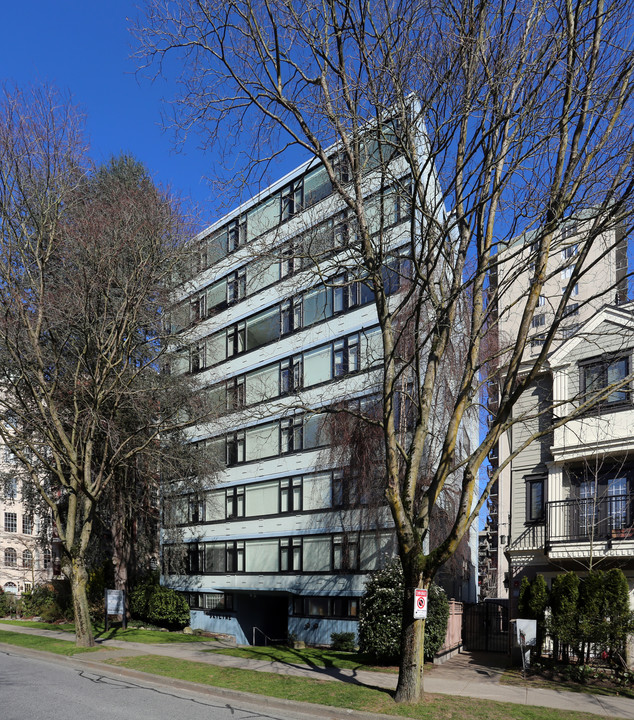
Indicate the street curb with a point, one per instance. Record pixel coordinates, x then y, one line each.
248 698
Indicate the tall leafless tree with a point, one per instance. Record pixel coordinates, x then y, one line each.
495 120
86 262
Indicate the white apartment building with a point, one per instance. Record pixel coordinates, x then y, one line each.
542 496
277 324
24 562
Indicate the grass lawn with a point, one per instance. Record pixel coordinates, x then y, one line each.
35 642
150 637
306 656
513 676
339 694
66 627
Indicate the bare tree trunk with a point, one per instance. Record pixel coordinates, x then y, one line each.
410 677
121 549
78 580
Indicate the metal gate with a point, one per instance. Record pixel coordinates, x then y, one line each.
485 627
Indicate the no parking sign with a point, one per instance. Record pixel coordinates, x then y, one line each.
420 604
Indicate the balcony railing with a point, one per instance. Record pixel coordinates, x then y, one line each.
589 519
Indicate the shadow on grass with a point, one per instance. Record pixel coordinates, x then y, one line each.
334 665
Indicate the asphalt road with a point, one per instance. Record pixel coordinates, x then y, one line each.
41 689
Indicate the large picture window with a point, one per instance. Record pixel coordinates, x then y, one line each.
597 377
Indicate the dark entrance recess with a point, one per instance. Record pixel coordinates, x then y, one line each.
485 627
267 613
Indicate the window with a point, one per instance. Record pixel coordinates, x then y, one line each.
217 601
197 308
571 309
235 393
291 554
236 339
215 557
290 375
343 607
541 301
10 522
569 231
11 488
263 328
291 495
47 560
27 559
604 504
291 434
599 376
217 246
27 524
534 499
317 305
345 553
569 252
235 448
317 186
196 510
569 331
292 199
537 341
290 316
567 272
10 557
538 320
235 502
318 365
197 358
287 260
617 503
574 291
236 234
236 286
235 556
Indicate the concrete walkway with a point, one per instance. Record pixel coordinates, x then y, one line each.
465 675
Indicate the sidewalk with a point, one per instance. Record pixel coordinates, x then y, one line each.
469 675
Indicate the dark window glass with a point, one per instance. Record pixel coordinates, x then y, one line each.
601 375
535 500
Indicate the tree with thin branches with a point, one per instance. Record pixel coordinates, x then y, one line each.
486 122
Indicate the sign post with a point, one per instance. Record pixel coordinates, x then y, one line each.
420 604
115 605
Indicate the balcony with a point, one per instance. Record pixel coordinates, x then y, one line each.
590 519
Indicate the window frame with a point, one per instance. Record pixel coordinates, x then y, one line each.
534 482
603 364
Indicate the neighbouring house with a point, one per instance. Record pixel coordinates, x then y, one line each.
517 505
572 490
277 324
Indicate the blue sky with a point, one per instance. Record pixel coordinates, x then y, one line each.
85 48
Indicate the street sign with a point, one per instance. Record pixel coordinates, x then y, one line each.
420 604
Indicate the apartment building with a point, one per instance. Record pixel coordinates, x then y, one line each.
278 325
564 501
24 562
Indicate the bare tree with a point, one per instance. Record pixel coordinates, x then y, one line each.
487 122
86 262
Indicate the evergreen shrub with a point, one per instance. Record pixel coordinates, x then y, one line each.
344 641
168 608
380 619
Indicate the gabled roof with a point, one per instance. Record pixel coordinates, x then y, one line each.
620 315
